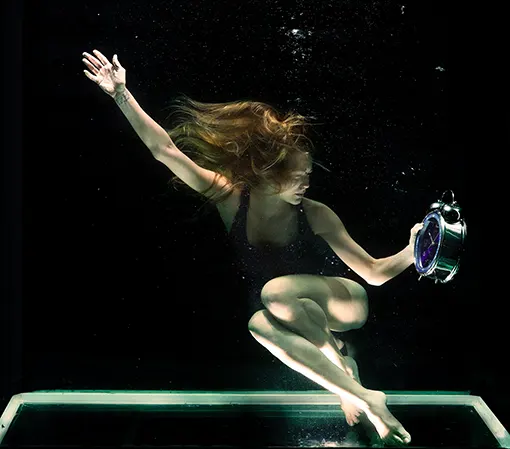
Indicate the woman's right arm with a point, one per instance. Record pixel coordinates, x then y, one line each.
111 78
164 150
152 134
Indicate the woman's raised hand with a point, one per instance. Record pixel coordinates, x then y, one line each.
110 77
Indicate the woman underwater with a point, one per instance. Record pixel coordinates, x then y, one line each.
254 165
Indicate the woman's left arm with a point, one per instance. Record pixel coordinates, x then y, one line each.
373 271
389 267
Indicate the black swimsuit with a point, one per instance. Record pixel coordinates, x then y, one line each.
307 254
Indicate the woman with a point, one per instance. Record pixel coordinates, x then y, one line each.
254 165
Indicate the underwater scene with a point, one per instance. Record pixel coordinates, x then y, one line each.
249 224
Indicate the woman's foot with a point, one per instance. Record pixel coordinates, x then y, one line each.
388 427
351 411
348 364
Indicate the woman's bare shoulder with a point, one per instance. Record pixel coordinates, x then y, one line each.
315 214
312 206
234 198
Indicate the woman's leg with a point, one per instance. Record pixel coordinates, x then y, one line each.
304 357
313 305
290 345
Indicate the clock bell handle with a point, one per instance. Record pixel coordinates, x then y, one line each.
451 211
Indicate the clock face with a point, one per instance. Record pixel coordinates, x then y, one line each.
428 243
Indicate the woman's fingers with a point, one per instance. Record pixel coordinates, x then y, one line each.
92 68
93 60
90 76
101 57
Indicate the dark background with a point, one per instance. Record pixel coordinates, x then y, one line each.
125 282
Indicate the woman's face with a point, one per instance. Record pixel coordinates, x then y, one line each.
299 180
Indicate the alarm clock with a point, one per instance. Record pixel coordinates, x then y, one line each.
440 242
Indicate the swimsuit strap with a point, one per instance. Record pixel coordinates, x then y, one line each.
245 198
242 212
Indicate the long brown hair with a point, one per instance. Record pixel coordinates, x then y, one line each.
249 142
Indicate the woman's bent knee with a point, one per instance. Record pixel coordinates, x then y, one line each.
276 295
275 290
360 292
259 322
